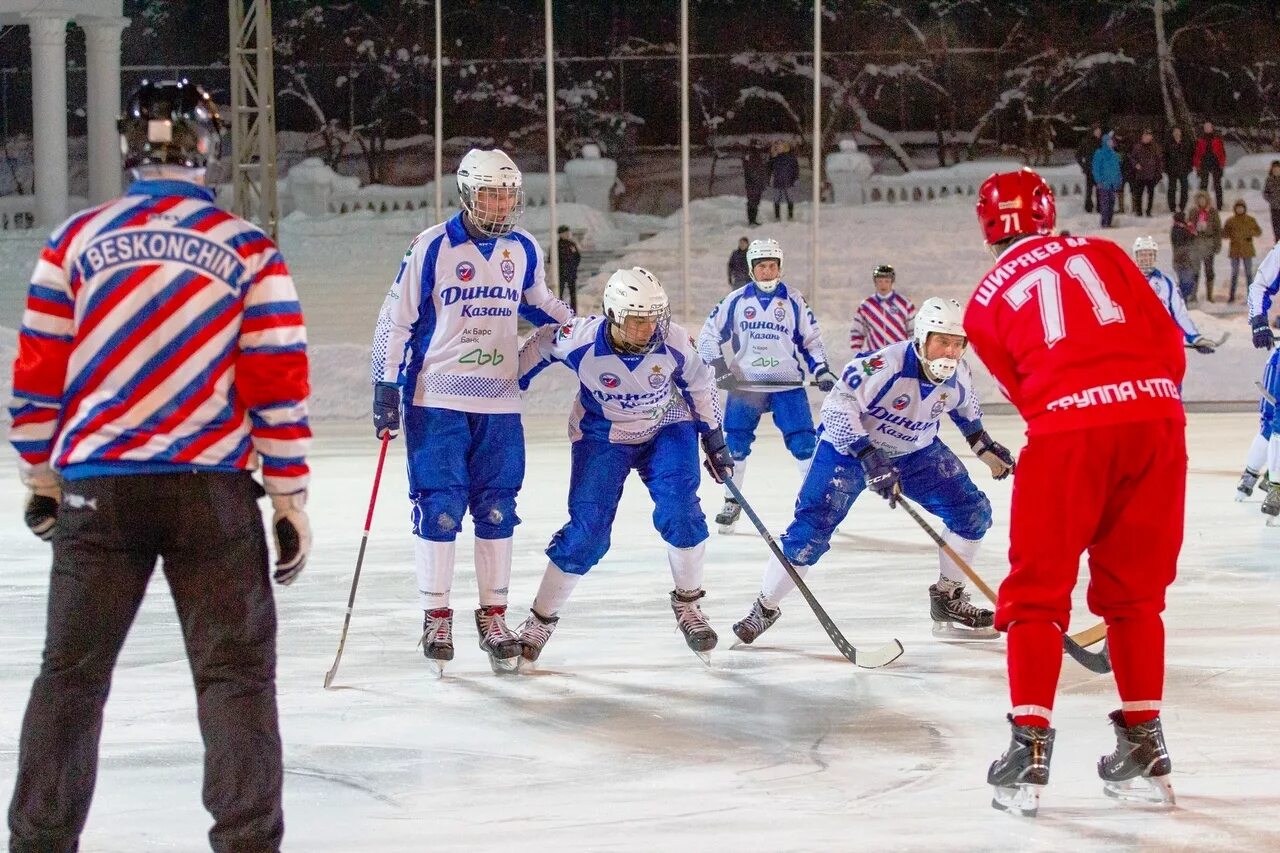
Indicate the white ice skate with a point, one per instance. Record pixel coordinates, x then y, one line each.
955 617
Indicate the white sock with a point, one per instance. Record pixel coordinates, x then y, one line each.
493 570
556 587
1273 457
434 564
687 565
1256 458
739 475
777 584
967 549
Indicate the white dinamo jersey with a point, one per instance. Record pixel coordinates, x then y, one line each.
881 399
768 335
625 399
447 330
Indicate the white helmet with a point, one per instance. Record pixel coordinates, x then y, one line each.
763 250
637 293
1145 251
493 169
943 316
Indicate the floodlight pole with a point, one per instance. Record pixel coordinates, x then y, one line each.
253 115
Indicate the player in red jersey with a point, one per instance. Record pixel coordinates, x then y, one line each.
1082 347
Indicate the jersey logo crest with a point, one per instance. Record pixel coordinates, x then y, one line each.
901 402
656 379
508 266
564 331
872 365
465 271
750 312
938 406
609 380
779 314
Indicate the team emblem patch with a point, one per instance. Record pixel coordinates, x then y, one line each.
936 411
750 312
564 331
609 380
779 313
508 266
901 402
656 379
872 365
465 271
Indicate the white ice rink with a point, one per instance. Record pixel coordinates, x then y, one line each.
623 740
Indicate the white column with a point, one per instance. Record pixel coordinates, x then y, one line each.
102 43
49 113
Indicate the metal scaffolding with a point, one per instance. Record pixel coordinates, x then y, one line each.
253 116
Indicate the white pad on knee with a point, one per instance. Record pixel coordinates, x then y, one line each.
1256 458
687 565
493 570
433 562
556 587
966 549
777 584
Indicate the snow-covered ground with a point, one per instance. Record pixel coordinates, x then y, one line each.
623 740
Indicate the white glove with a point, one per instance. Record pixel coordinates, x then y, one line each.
292 532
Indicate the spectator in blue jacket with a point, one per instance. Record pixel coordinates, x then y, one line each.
1108 177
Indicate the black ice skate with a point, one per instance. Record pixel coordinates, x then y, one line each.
534 633
1019 775
496 639
728 516
756 622
1139 769
1271 508
437 638
692 623
1248 480
955 617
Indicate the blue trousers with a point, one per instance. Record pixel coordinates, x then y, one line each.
668 466
461 460
790 413
932 477
1270 415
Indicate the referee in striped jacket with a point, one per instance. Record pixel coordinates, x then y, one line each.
162 358
884 317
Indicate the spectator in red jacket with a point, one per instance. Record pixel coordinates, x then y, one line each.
1209 160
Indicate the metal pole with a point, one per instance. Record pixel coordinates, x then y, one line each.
817 150
439 119
553 253
684 157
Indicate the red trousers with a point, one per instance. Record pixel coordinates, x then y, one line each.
1116 491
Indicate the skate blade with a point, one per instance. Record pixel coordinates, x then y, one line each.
727 529
1020 800
950 631
436 667
705 657
1157 790
504 666
1241 497
1273 521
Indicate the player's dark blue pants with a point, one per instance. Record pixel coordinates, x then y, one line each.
932 477
668 466
461 460
790 414
1270 415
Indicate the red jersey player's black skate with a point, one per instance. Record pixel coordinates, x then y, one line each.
1140 768
1022 772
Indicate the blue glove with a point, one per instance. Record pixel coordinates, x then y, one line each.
825 378
719 462
882 475
1263 337
386 409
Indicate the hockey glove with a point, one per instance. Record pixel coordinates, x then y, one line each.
1263 337
882 475
825 378
719 462
41 510
292 531
993 453
1204 345
724 376
386 409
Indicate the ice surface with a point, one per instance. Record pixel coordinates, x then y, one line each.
623 740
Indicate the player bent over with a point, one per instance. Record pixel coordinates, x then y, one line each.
1079 343
769 329
645 398
880 431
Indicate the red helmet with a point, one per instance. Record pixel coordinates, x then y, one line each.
1015 203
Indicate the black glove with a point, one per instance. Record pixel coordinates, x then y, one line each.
825 378
41 511
719 461
1263 337
1204 345
993 453
882 475
292 530
724 376
386 409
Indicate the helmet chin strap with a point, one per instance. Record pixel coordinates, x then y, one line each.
768 286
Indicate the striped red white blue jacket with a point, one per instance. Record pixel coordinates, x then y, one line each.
161 334
880 321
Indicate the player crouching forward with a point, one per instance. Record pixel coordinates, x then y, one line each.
644 398
880 431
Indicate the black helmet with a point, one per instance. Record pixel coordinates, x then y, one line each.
172 122
884 271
